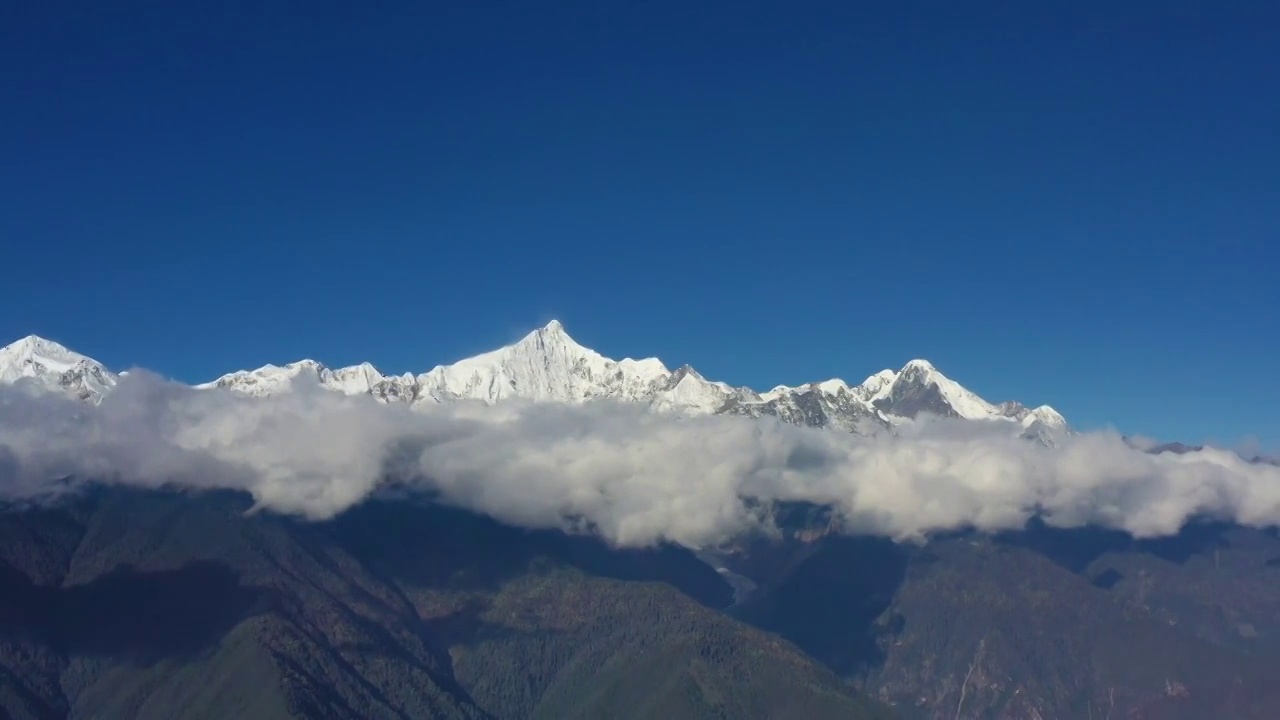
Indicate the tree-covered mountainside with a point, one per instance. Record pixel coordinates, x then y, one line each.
1043 623
156 605
133 604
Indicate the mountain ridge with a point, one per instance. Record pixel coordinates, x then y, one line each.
548 365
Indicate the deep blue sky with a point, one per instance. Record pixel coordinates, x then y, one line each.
1078 205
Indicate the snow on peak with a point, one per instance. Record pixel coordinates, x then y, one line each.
876 386
882 377
774 392
354 380
687 370
834 386
650 367
551 334
1047 415
268 379
966 404
920 387
545 365
52 366
362 379
685 390
911 385
548 365
32 350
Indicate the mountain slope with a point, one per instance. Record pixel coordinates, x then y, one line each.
150 605
548 365
159 605
1032 624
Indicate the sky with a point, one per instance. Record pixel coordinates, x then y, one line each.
1075 204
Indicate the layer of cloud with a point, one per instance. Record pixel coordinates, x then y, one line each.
633 476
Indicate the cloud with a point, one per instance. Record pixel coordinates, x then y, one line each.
634 476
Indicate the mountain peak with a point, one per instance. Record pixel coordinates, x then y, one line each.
834 386
877 385
55 366
553 329
306 364
921 387
550 335
919 364
36 345
38 350
545 365
1049 416
684 371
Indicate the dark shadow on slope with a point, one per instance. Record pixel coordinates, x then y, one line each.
1071 548
1076 548
25 610
142 616
1196 538
39 542
830 604
414 543
915 399
1107 579
428 545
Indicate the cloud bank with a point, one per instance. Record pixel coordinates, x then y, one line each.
633 476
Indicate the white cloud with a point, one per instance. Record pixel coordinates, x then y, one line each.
634 476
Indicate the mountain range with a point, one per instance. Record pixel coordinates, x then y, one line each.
548 365
123 602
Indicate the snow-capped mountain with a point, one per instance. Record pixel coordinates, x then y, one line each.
831 404
46 364
545 365
920 388
548 365
354 380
